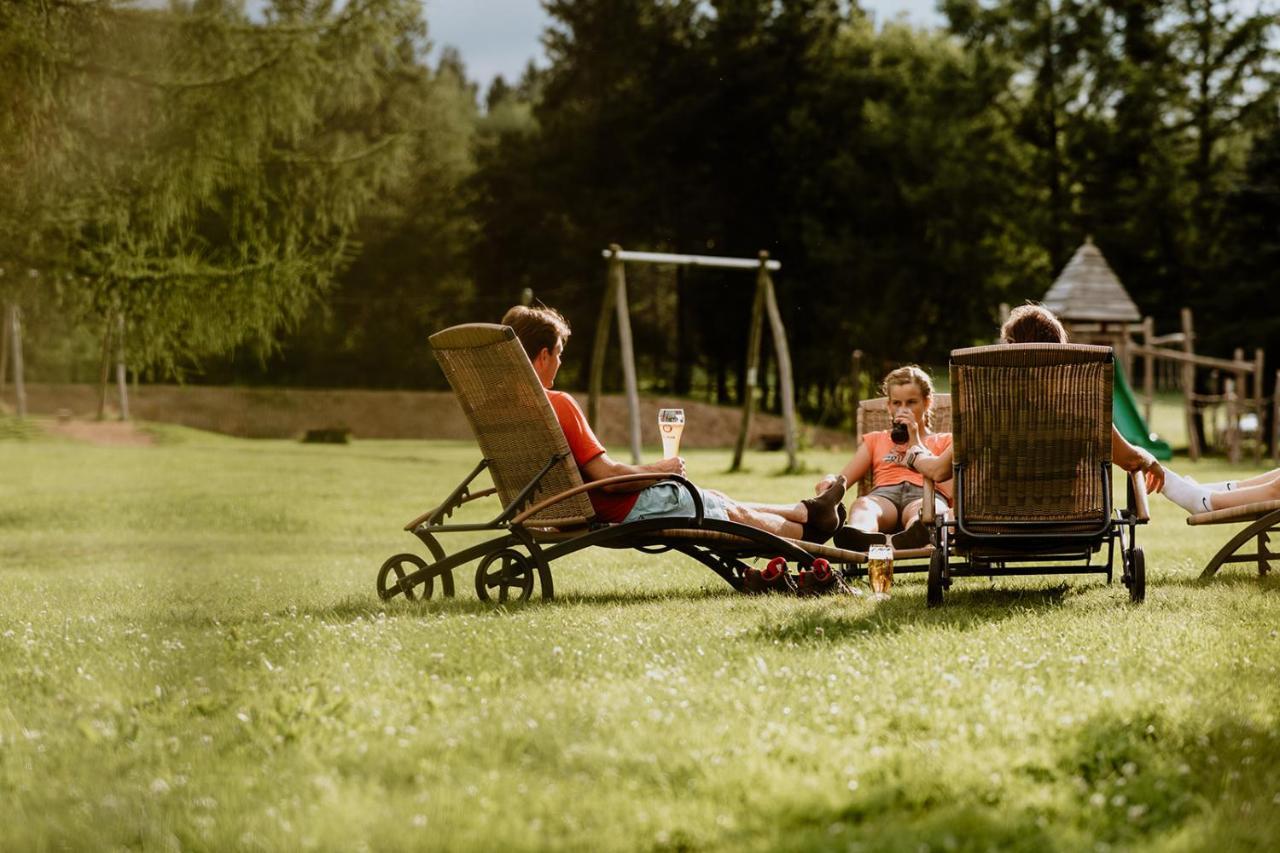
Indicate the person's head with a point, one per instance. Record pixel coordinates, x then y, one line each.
543 333
909 387
1032 324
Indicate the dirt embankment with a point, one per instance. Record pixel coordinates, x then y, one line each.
290 412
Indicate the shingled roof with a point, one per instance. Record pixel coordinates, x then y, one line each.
1088 291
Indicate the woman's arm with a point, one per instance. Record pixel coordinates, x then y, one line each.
936 468
1132 458
854 470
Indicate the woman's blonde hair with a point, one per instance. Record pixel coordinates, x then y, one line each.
910 374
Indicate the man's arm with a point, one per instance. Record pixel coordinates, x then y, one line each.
603 467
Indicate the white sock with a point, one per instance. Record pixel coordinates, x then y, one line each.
1190 496
1220 486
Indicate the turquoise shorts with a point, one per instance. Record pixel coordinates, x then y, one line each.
672 500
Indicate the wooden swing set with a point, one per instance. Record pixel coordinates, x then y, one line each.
765 304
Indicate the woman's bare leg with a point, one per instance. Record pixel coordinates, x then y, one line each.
872 514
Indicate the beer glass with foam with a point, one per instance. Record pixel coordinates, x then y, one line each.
880 568
670 427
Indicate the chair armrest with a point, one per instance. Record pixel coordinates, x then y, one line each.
1138 496
927 509
483 493
609 481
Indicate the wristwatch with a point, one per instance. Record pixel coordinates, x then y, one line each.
912 455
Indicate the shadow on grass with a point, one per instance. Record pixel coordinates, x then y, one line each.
1239 577
1113 780
465 602
962 608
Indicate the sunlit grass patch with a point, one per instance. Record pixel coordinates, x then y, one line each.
192 655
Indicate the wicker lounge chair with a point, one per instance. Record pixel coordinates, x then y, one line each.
1031 425
1264 518
546 513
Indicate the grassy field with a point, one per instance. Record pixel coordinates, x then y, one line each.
192 656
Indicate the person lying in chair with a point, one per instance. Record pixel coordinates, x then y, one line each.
1205 497
542 333
898 494
1035 324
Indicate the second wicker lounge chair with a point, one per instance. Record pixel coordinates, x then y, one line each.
1031 425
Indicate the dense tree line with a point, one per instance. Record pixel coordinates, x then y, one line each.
909 180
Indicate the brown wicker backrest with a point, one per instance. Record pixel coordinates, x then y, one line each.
1031 425
873 416
510 415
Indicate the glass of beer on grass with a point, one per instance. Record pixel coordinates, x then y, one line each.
880 568
670 427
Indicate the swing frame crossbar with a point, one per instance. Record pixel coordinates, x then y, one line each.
716 261
765 304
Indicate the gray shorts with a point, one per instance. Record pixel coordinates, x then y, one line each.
672 500
901 494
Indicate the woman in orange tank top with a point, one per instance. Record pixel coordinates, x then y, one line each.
895 501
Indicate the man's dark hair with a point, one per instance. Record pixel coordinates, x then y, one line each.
537 328
1032 324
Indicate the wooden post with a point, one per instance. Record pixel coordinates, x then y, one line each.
783 352
1120 344
4 345
1259 406
1004 317
1275 422
1148 369
1233 419
628 359
1238 403
122 382
104 371
753 364
15 346
855 384
1189 385
600 347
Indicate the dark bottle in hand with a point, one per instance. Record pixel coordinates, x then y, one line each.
899 434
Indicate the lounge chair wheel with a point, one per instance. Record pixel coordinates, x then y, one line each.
933 589
392 575
506 571
1137 579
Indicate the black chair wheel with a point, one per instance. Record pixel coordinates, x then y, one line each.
934 587
507 571
392 575
1137 576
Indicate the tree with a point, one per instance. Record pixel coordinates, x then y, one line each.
214 167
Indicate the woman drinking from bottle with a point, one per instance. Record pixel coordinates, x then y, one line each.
895 501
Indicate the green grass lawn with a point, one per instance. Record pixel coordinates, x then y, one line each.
192 656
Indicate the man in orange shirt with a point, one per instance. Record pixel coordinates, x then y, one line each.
543 333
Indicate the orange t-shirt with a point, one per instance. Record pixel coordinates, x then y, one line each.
610 507
886 467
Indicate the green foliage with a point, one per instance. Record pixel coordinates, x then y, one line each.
192 654
305 196
213 168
